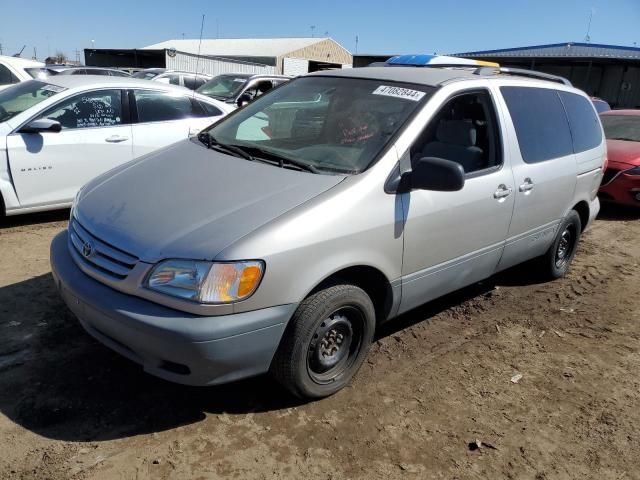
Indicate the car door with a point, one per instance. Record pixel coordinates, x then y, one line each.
544 169
49 167
163 118
452 239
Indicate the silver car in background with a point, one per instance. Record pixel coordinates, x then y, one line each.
280 238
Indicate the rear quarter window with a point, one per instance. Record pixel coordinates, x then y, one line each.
584 123
540 122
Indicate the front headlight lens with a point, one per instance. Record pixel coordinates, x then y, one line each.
633 171
206 282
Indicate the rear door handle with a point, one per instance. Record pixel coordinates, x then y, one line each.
116 139
502 192
527 186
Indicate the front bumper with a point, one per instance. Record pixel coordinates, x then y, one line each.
177 346
624 189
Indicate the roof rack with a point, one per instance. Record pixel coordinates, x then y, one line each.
521 72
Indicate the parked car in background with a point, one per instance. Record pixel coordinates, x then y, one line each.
82 70
621 182
15 70
58 133
376 190
601 105
188 80
240 89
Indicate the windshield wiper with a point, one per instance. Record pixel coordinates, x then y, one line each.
211 143
275 159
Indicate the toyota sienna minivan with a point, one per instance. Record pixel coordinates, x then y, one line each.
282 236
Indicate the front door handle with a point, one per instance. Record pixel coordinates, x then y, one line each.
116 139
527 186
502 192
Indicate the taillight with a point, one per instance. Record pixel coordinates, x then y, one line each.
606 164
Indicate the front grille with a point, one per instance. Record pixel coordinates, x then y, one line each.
609 174
98 254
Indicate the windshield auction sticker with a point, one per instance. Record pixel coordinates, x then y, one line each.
406 93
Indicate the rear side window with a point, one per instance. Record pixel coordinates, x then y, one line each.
584 123
209 110
193 82
540 122
162 107
6 77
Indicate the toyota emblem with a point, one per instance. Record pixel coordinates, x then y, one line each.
87 249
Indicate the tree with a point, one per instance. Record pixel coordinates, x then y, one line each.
59 57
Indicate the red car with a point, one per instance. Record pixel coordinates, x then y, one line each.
621 181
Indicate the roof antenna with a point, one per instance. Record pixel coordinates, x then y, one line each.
587 37
198 59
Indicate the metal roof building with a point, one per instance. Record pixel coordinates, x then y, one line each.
611 72
291 56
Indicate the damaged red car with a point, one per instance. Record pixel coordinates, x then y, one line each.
621 181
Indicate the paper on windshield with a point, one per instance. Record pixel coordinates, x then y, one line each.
399 92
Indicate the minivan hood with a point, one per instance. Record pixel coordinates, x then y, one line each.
186 201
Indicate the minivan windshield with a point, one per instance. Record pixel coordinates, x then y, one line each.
21 96
223 87
326 124
621 127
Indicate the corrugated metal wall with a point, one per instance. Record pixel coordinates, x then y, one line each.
213 66
295 66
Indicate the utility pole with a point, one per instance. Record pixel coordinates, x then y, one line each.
313 28
356 43
35 53
0 49
587 37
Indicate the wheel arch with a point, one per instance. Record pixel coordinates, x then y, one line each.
582 208
370 279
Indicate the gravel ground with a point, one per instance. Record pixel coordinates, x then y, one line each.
437 383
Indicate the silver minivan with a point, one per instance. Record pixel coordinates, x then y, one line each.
281 237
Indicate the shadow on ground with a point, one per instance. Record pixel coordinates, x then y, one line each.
614 212
34 218
60 383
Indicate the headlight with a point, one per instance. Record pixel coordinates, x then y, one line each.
633 171
206 282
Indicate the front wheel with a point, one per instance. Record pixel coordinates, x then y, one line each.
556 261
326 341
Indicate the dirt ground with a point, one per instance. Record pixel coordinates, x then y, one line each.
437 380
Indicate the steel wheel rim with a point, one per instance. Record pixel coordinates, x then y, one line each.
335 345
565 247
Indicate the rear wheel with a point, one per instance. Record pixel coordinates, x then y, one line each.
556 261
326 341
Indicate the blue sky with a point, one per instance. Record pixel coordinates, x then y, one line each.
400 26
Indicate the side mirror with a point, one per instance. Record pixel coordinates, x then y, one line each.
41 125
243 99
431 173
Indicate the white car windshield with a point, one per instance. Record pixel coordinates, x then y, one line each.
323 124
22 96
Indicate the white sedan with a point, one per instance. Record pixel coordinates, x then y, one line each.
16 69
58 133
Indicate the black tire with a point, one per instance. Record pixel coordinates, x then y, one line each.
326 341
555 263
